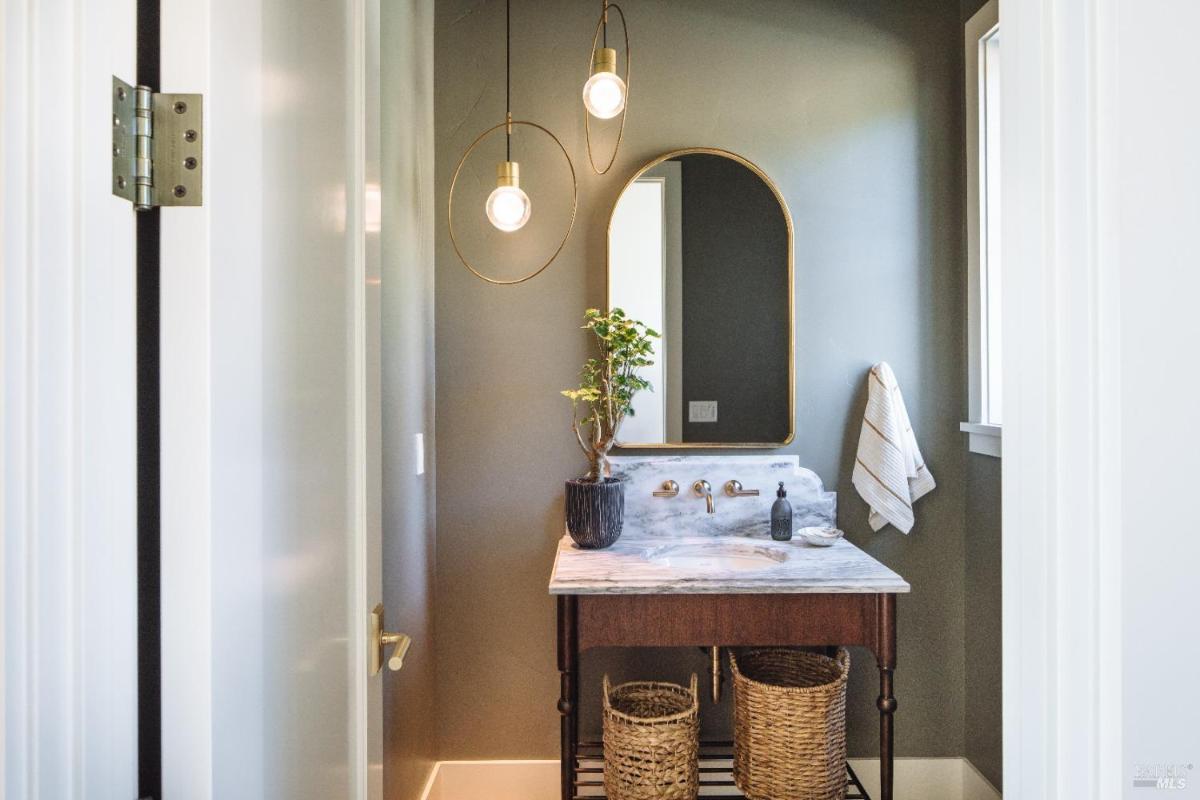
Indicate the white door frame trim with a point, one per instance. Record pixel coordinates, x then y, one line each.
1062 449
367 702
68 403
187 462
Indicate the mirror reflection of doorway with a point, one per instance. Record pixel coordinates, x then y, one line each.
645 249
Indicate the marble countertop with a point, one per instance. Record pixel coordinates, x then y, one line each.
643 565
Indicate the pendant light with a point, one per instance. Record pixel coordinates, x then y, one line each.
508 207
605 94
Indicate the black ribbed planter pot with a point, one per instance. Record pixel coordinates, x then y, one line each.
595 512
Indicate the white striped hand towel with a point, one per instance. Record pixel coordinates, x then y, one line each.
889 472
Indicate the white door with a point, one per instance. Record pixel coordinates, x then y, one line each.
270 413
269 406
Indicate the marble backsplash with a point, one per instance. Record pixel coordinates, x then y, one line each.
686 514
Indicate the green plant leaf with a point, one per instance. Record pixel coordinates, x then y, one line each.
609 381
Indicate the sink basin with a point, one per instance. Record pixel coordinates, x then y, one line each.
717 557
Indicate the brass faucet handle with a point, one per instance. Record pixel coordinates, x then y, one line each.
734 489
669 489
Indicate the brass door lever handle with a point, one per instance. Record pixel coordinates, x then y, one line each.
669 489
402 642
734 489
380 639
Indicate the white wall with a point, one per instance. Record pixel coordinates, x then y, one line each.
1100 543
1152 207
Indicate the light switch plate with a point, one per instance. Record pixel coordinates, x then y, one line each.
419 452
702 411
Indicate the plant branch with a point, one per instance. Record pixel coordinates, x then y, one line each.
609 382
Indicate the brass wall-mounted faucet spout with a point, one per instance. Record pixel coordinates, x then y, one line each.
703 489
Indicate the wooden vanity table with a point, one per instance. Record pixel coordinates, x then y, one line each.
622 598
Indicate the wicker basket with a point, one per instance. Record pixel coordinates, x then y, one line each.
789 724
651 741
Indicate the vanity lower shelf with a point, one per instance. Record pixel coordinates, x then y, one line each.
716 773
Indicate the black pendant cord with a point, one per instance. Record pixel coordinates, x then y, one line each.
508 79
605 24
149 453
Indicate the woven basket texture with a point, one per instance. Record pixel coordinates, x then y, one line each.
789 724
651 741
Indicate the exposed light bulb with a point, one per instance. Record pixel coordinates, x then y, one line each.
508 207
604 93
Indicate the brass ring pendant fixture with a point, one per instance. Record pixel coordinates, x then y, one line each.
606 60
508 208
454 181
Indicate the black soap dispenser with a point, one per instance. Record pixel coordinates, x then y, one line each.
781 516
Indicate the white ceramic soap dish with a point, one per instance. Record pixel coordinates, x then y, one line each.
819 537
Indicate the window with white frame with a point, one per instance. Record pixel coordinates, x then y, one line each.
982 51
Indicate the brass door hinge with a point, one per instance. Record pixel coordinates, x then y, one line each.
157 147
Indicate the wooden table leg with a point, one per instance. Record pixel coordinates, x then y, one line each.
887 702
568 699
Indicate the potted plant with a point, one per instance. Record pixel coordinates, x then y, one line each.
596 502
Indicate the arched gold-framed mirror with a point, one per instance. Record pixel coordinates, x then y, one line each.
701 248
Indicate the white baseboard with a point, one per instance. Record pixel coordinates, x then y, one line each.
916 779
975 786
928 779
493 780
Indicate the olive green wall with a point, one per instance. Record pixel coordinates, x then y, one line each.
969 7
855 109
984 706
407 361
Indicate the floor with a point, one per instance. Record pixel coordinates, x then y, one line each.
916 779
